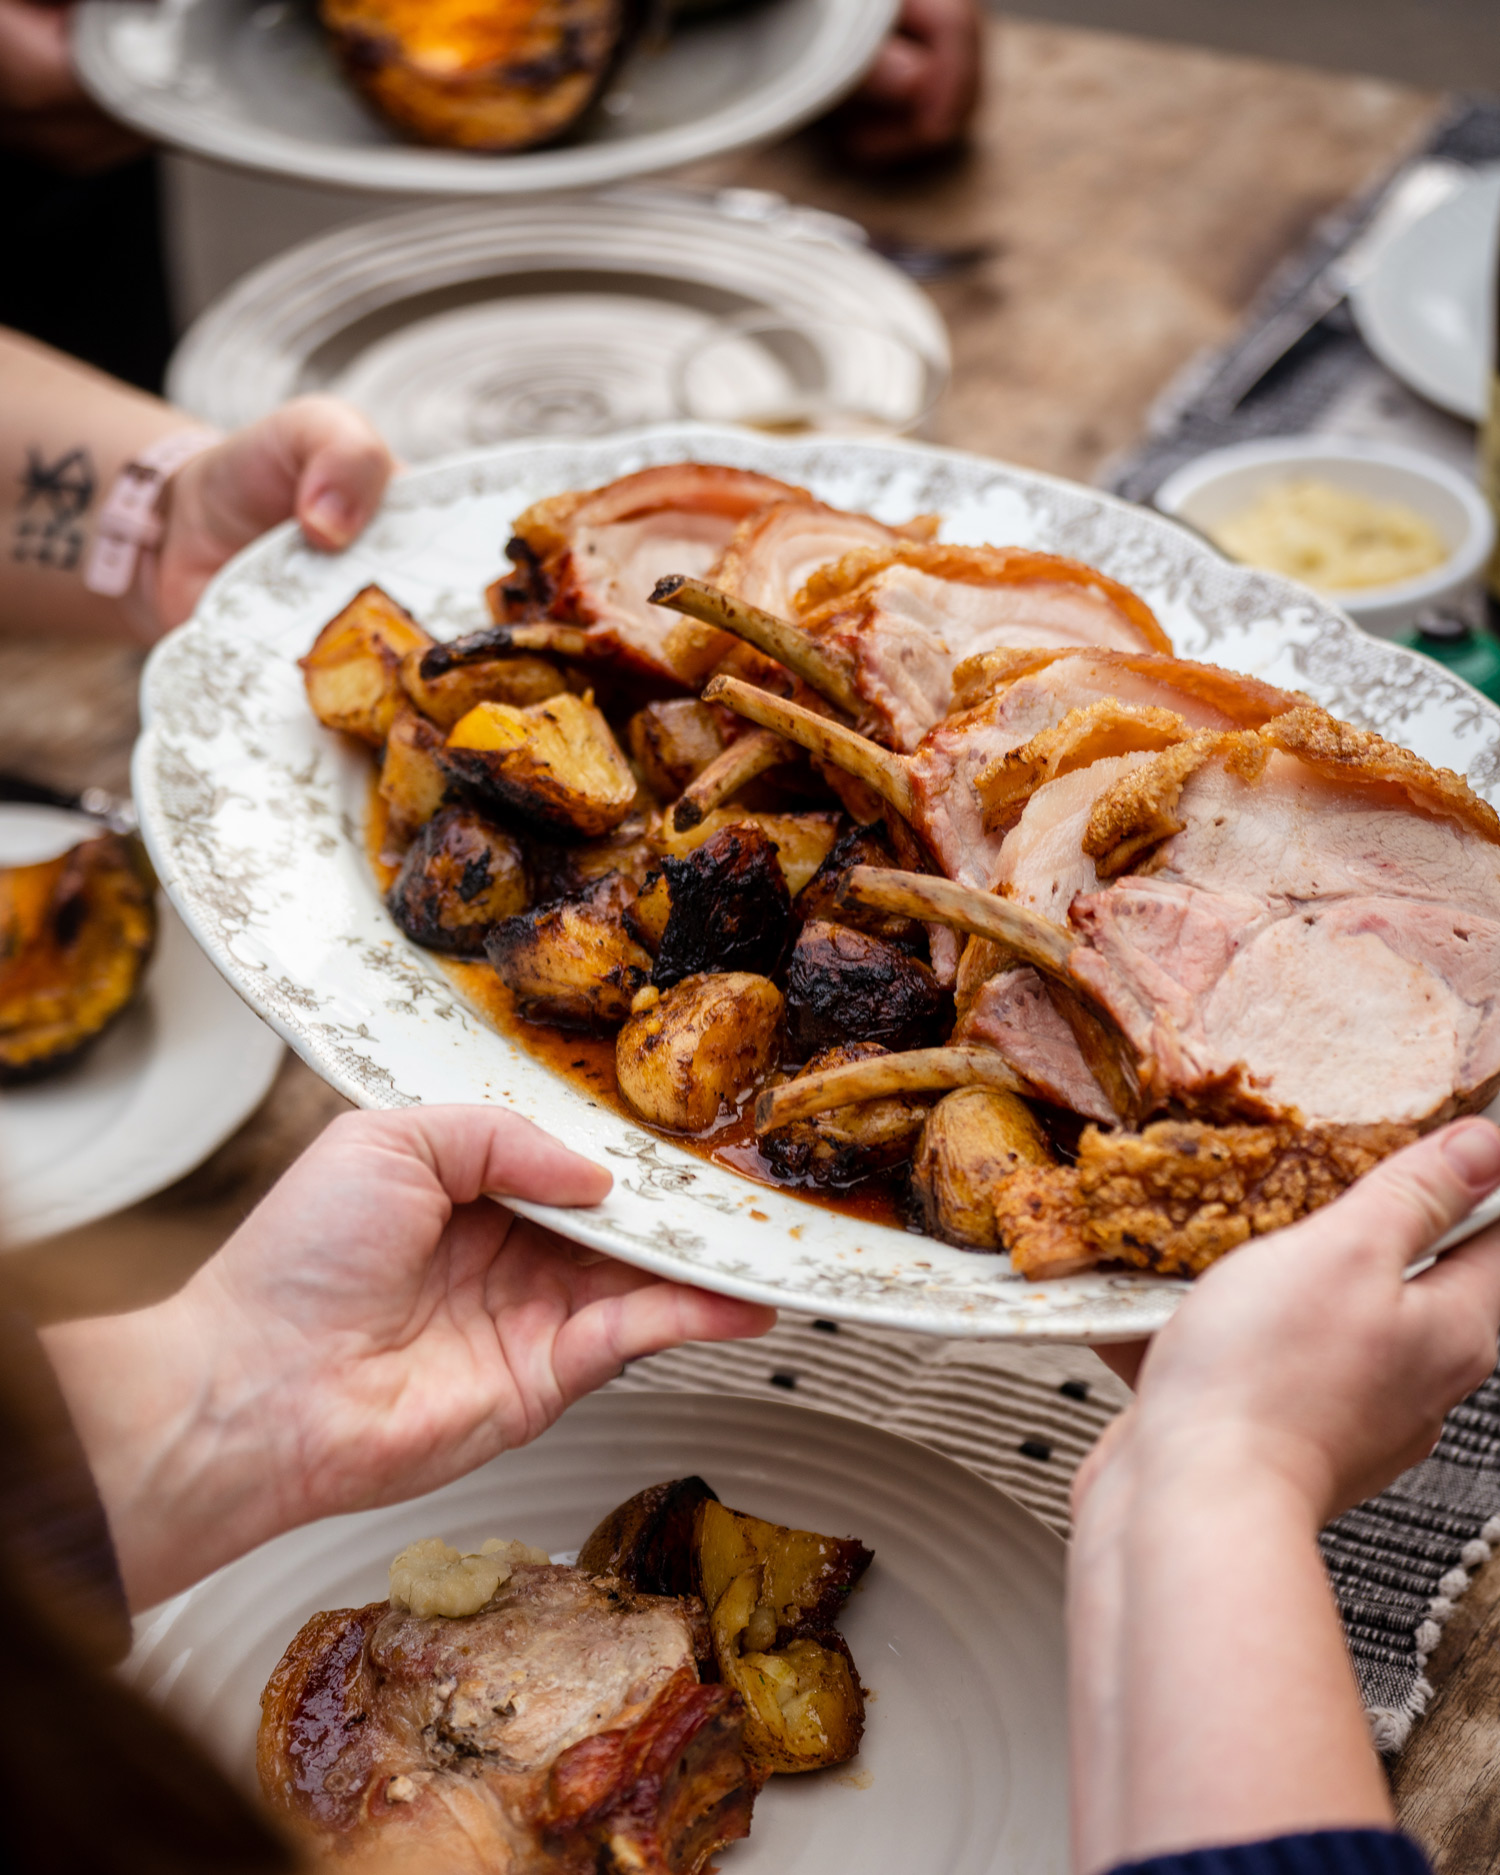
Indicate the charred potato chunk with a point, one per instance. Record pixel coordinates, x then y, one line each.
353 672
858 846
973 1141
76 934
844 986
573 962
564 869
686 1055
802 841
460 877
557 763
673 742
447 681
846 1144
505 76
648 1540
772 1596
412 781
729 908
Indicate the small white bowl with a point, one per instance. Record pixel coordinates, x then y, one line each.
1225 482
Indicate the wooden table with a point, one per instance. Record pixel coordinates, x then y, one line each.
1132 197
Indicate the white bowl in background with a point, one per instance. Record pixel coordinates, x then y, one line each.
1223 483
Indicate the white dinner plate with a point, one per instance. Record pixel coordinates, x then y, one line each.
1426 306
167 1084
957 1629
254 84
253 815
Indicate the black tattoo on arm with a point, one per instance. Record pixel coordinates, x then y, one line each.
55 498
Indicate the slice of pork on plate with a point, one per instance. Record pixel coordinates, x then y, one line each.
957 1627
254 815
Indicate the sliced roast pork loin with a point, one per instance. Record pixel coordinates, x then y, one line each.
562 1729
774 554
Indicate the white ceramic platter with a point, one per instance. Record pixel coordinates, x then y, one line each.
253 815
462 324
254 84
1426 306
169 1083
957 1629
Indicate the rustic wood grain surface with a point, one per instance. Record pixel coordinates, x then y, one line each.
1125 200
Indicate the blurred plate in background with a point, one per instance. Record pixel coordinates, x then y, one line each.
168 1083
255 84
462 325
1426 306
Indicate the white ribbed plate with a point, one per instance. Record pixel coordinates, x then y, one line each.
253 813
957 1629
254 84
463 323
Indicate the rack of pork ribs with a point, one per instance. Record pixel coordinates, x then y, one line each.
942 857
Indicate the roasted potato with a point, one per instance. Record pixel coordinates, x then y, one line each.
448 680
802 841
772 1596
563 869
460 877
686 1055
858 846
412 779
728 908
972 1142
557 763
353 672
76 934
504 76
846 1144
673 742
574 961
648 1541
846 986
649 913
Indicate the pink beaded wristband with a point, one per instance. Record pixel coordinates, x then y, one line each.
129 521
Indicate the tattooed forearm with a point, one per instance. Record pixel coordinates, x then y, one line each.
50 514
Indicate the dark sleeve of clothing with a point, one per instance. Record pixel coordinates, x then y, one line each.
1319 1852
52 1526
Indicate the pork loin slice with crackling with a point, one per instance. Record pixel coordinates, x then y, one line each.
903 618
591 559
561 1729
774 553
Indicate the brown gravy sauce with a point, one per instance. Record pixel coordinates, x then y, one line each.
587 1063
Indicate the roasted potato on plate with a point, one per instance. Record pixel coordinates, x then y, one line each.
686 1055
846 1144
446 681
507 75
728 908
844 985
673 741
972 1142
802 841
459 879
556 763
573 962
76 934
412 778
648 1541
353 672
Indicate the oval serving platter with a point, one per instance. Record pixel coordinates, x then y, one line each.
253 815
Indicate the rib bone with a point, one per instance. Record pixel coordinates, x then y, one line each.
830 741
801 654
727 773
922 1071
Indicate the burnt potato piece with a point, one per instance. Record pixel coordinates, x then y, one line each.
648 1540
772 1596
353 672
729 908
858 846
686 1055
573 962
973 1141
846 1144
563 869
802 841
76 934
673 741
844 985
412 781
446 681
557 763
459 879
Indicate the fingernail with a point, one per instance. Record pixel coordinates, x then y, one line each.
1473 1151
331 514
